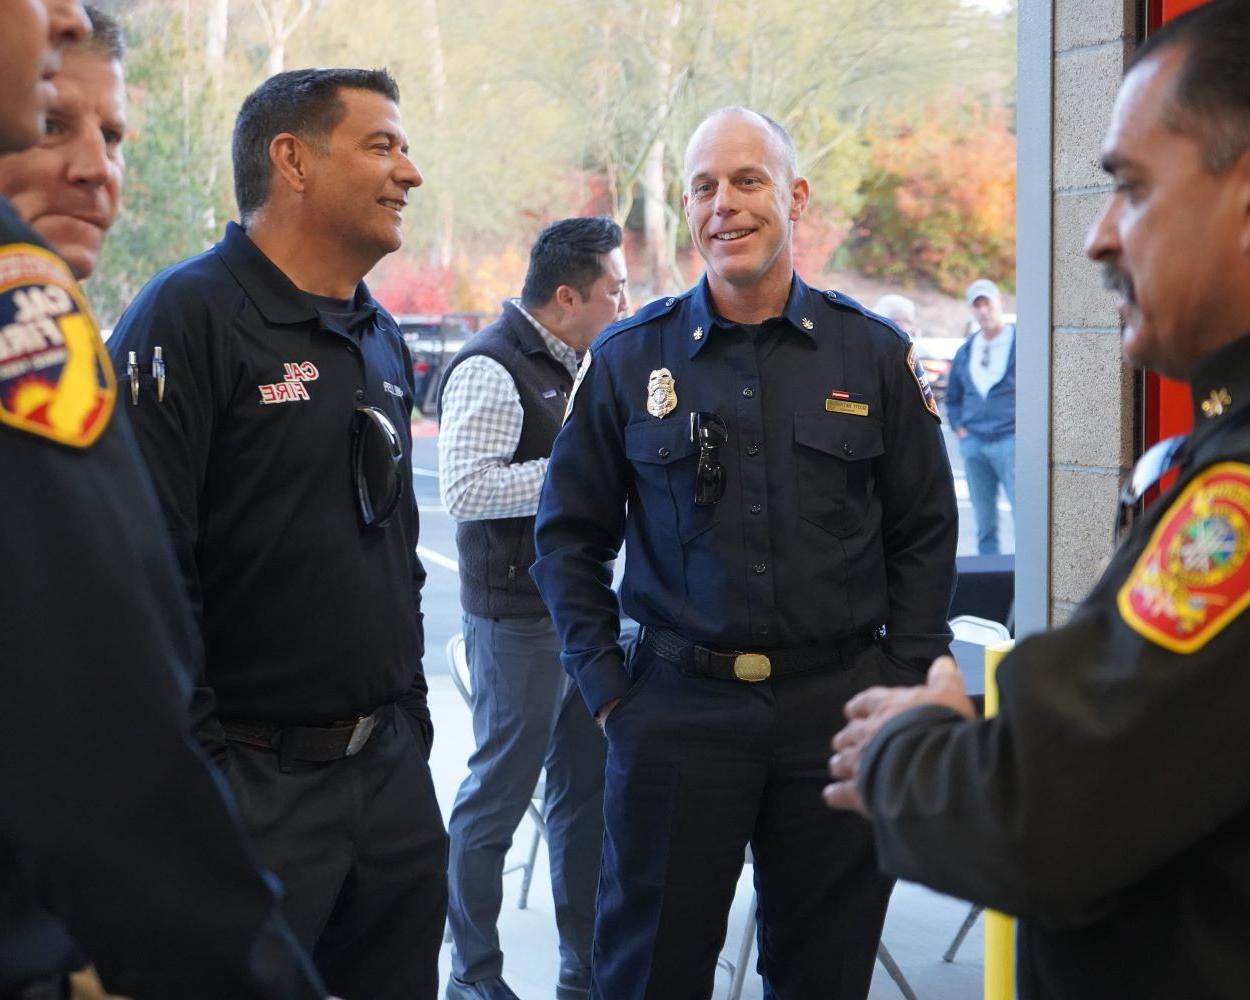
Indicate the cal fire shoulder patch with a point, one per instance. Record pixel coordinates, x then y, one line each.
55 377
922 382
1193 578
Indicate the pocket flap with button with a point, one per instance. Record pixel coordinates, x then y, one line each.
659 443
849 438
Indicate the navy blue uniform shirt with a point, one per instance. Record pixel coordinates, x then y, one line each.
306 615
113 823
838 515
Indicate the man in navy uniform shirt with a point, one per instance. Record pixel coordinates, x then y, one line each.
271 397
772 457
115 833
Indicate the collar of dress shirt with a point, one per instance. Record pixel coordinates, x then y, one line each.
555 346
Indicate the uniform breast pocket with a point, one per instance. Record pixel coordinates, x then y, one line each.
665 463
833 457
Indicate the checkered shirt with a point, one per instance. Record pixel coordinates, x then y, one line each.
481 428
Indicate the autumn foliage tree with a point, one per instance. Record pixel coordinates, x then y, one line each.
939 199
522 113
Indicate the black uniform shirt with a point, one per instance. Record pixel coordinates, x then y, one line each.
307 616
838 514
1109 801
111 819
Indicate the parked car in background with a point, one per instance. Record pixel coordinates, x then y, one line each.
433 341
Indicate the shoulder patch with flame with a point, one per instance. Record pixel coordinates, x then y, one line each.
1193 578
55 377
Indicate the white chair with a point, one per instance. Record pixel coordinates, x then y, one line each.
738 969
458 665
981 632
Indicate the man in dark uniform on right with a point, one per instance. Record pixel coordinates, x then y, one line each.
1108 804
773 456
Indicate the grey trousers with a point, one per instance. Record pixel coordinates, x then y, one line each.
527 714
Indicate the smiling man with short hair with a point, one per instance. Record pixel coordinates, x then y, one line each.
271 396
771 454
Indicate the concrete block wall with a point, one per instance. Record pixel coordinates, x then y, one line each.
1093 410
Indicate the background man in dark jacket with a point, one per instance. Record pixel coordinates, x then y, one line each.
1108 804
981 407
501 406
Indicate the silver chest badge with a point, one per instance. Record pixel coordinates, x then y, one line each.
661 393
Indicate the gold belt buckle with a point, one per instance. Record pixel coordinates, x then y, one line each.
752 667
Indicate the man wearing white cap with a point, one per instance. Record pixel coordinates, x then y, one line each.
981 407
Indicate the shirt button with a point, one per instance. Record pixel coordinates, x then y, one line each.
664 453
748 392
360 394
847 449
753 449
756 508
760 569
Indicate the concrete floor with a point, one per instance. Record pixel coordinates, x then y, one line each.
918 928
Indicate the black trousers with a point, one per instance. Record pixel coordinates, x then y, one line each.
360 847
697 768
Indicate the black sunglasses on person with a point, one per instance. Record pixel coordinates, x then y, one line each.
710 433
377 466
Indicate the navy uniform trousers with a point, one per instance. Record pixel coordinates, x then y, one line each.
697 769
359 846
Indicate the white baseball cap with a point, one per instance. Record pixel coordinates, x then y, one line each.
982 287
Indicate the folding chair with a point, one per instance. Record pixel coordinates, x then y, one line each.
458 664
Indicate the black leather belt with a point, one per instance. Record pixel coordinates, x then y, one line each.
740 665
312 744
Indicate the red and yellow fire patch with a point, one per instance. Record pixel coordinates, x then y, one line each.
1193 578
55 377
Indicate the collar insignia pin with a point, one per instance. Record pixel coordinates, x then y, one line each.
808 324
698 333
1216 403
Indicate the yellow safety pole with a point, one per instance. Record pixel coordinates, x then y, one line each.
1000 929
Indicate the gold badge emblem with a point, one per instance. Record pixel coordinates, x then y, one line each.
661 393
